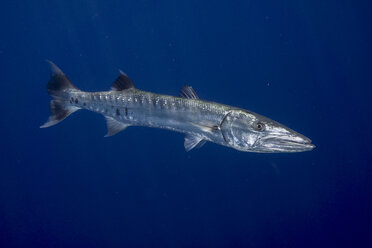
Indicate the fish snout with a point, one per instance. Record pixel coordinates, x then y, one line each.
290 142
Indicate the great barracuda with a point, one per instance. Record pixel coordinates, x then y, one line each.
124 105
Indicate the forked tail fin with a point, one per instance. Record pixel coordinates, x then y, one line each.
59 87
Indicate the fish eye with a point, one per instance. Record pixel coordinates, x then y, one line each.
259 126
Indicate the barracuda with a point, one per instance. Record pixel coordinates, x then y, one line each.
124 105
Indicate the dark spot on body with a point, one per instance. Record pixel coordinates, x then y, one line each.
161 104
117 111
126 111
76 100
84 104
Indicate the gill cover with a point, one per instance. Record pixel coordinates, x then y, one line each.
236 129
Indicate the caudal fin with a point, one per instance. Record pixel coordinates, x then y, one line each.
59 87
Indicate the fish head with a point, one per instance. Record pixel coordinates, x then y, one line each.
251 132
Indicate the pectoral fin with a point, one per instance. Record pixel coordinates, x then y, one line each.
114 126
192 141
206 128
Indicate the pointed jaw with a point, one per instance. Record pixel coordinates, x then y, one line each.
285 143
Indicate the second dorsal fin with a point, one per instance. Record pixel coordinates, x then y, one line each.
123 82
188 92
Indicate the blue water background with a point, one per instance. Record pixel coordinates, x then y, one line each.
306 64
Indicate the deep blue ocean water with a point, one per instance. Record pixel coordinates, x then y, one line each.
306 64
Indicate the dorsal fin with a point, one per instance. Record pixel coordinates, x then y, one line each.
188 92
123 82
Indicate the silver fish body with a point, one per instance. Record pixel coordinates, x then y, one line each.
200 120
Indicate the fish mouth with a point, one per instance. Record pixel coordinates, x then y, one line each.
295 143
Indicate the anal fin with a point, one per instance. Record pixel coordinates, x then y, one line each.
192 141
114 126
